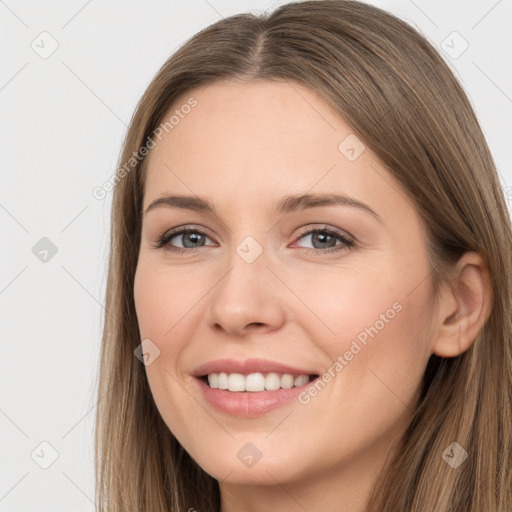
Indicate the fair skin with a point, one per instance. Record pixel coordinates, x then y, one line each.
243 148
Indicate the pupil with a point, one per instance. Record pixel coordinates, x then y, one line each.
323 237
185 239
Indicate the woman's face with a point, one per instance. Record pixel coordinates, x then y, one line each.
253 281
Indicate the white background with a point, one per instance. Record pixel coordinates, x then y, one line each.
63 119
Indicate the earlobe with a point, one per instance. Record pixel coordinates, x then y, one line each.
465 306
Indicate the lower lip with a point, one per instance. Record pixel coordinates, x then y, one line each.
248 404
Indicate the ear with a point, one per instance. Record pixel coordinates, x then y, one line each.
464 306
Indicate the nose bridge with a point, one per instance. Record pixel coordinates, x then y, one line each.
244 295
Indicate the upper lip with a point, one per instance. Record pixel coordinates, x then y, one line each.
247 366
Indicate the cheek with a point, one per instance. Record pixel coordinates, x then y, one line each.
378 359
379 334
365 315
162 298
347 302
156 305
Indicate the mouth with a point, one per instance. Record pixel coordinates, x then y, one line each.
251 387
255 382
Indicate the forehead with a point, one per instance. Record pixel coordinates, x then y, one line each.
233 119
260 141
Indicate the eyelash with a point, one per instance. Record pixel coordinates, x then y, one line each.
347 243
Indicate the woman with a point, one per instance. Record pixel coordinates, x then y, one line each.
368 371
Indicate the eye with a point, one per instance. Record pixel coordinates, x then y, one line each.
326 239
191 239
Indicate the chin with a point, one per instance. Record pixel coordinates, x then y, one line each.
250 463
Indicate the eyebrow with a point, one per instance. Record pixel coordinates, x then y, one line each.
285 205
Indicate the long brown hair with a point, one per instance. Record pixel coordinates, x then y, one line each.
402 100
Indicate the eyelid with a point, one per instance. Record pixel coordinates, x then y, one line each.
302 231
186 227
179 230
325 227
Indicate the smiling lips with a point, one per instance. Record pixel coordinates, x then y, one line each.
251 387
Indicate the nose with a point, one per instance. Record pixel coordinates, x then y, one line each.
245 299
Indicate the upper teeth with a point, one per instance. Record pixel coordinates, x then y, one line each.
255 381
